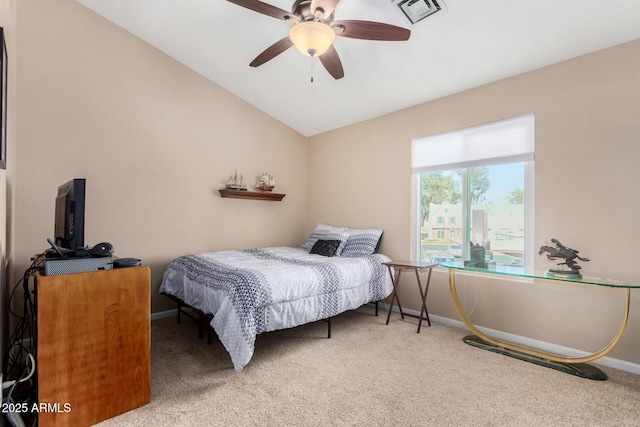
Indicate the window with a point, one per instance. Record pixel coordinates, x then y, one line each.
483 178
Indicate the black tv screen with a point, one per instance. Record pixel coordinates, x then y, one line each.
69 219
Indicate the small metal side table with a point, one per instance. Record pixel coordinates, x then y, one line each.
418 267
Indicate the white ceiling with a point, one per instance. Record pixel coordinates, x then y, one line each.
466 44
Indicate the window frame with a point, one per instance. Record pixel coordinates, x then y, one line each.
529 189
529 213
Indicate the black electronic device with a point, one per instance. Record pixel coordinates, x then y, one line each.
101 249
69 214
126 262
55 251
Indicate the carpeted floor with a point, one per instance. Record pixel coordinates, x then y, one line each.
368 374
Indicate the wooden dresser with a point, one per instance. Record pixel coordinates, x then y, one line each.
93 345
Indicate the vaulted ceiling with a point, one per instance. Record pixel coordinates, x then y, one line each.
466 44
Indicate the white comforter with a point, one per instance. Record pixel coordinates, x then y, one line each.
258 290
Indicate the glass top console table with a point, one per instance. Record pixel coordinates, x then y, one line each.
573 365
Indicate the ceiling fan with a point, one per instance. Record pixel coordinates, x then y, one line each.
315 29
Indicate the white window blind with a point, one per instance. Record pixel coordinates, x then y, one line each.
506 141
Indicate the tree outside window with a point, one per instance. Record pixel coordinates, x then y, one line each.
485 207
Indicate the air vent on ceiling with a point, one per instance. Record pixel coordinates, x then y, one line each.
417 10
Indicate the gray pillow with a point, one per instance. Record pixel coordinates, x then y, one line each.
362 242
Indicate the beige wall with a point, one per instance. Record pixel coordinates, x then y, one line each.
153 139
587 113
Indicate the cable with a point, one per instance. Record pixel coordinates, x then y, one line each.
25 327
13 416
19 359
13 383
475 304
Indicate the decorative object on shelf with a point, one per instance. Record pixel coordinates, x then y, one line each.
236 183
568 255
266 182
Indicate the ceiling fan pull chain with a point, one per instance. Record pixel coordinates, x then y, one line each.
312 67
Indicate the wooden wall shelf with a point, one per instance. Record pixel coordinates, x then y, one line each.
255 195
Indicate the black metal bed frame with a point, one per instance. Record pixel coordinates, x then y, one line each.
200 317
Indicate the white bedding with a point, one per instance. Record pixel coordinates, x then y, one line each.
258 290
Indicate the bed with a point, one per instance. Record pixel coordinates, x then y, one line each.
248 292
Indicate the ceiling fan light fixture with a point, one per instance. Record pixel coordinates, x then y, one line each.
312 38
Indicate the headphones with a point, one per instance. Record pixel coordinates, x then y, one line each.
101 250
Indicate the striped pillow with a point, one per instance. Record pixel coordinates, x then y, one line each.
321 231
362 242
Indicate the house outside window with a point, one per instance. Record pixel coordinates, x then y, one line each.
488 198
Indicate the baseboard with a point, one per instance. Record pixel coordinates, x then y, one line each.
163 314
622 365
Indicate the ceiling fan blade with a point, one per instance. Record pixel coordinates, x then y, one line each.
368 30
327 6
332 63
272 51
264 8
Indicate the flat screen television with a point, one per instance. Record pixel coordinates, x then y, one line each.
69 220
